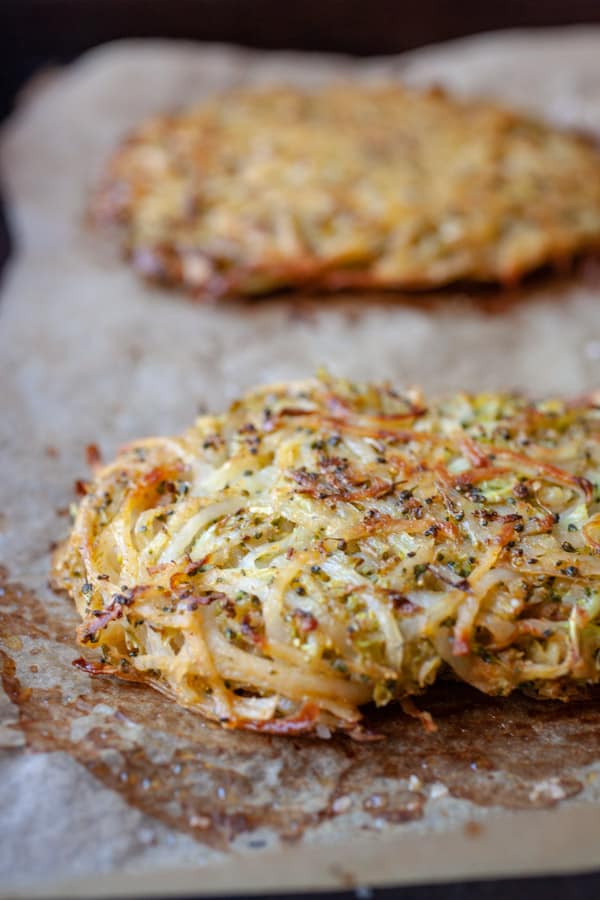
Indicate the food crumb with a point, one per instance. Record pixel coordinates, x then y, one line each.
375 801
547 790
438 790
323 731
473 829
201 822
341 804
92 455
13 642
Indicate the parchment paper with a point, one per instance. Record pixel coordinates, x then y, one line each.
109 788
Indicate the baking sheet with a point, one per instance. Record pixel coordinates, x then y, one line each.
109 788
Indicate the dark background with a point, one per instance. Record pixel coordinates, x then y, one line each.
35 34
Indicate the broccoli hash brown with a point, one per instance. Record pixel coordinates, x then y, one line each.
326 544
348 187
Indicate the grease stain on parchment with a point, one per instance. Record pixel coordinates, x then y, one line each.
214 784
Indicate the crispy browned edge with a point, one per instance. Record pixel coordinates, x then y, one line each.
161 265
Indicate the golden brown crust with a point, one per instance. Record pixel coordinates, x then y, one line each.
349 187
326 544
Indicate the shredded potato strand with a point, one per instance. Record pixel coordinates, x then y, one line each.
326 544
348 187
